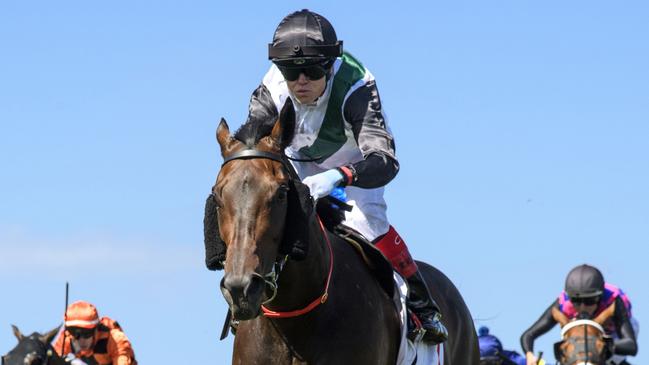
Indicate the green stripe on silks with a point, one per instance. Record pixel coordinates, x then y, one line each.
332 132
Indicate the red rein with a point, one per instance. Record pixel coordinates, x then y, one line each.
319 300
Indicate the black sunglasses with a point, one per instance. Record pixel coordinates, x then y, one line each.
313 72
81 332
585 301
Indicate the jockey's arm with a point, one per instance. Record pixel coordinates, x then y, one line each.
119 348
540 327
364 112
626 344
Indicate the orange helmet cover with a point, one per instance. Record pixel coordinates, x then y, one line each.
81 314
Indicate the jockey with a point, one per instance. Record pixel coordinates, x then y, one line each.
92 340
492 353
341 138
586 295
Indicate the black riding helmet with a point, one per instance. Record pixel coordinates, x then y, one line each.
584 281
304 38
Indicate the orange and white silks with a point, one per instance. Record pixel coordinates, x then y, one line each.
110 346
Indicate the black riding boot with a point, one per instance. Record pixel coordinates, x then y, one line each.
425 308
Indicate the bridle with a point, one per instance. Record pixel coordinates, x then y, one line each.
272 277
582 344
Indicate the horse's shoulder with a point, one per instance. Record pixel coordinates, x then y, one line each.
367 255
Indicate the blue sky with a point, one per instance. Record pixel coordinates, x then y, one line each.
521 128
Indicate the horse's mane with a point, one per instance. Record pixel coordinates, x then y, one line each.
254 129
260 124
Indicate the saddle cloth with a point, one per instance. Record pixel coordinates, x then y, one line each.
417 352
410 352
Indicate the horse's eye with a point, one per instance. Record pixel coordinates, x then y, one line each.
217 200
282 192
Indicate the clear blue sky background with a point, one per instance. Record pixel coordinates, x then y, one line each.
522 129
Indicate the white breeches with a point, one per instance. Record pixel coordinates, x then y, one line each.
368 215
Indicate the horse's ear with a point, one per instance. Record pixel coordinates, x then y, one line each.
284 127
17 333
223 135
606 314
558 316
49 336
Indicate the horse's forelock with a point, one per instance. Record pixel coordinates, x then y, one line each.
251 132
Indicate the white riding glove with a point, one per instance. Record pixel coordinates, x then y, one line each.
323 183
72 360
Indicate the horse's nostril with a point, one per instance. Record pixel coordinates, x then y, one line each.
243 288
255 286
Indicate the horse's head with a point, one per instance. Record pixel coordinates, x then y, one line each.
255 197
583 341
34 349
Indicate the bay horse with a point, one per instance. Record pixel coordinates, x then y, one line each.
300 294
34 349
583 341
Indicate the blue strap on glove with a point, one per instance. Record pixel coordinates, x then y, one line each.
323 183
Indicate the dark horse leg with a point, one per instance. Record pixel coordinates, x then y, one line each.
461 348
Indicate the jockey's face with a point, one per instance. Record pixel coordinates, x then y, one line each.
83 338
307 91
586 305
84 343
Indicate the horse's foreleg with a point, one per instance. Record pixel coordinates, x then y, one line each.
257 343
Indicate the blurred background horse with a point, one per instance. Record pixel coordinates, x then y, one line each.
583 341
34 349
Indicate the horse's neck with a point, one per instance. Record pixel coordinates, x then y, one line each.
300 282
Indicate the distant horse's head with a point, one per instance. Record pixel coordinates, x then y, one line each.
255 198
34 349
583 341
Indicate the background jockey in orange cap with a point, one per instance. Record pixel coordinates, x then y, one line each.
92 340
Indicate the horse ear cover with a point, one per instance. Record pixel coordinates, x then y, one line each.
296 230
298 215
214 245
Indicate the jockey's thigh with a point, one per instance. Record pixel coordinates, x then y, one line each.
369 212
